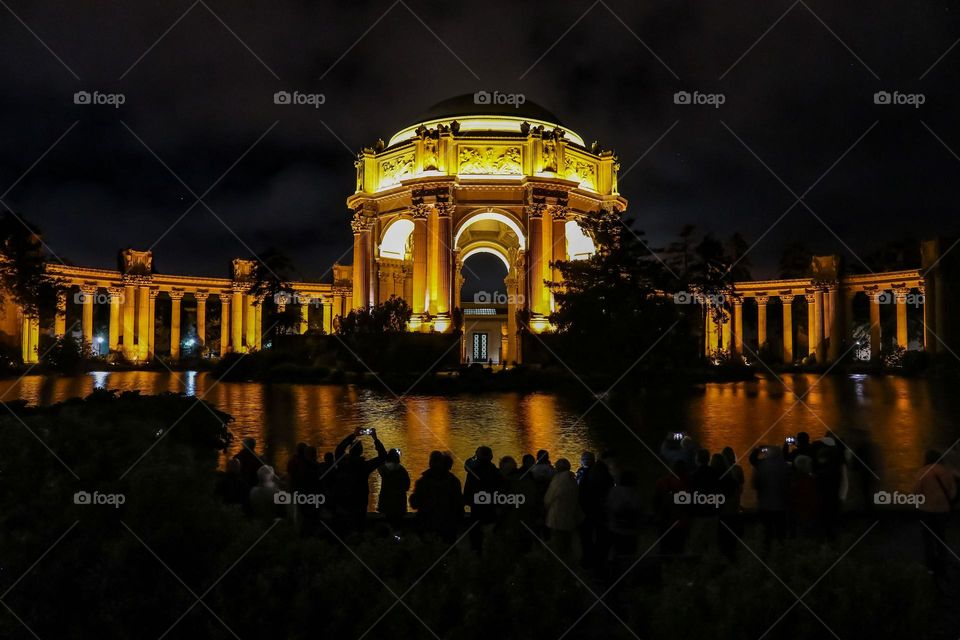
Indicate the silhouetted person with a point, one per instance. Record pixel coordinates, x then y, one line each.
803 500
770 482
542 470
828 470
231 487
394 484
594 482
625 508
673 514
249 462
296 466
938 486
437 499
262 497
562 502
483 482
735 471
309 483
511 518
729 526
351 490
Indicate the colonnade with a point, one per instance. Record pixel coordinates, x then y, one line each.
132 299
830 316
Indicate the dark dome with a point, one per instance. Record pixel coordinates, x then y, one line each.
467 105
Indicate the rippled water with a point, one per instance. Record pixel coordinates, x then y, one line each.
903 416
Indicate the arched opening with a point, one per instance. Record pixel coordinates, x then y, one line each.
487 245
396 239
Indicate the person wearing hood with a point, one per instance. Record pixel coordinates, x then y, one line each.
394 484
562 502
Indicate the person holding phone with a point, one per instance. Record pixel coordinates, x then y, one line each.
351 493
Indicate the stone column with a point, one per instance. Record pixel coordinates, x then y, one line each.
60 318
236 321
535 257
901 299
224 322
836 323
812 338
201 297
305 315
175 298
327 316
433 259
737 325
419 212
457 281
152 331
116 299
929 340
250 322
361 260
258 323
874 324
144 321
787 328
88 292
762 321
29 339
847 319
512 290
129 321
444 260
558 245
818 313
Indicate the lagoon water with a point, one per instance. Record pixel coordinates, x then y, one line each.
903 416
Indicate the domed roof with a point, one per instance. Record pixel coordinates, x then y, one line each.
473 104
485 112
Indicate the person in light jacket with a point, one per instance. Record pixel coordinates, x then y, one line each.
562 502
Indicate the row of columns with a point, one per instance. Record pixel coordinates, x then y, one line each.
829 324
132 325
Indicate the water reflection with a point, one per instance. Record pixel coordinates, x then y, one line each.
901 416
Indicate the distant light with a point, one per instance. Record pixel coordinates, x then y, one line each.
189 342
99 339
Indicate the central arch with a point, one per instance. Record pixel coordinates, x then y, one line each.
490 214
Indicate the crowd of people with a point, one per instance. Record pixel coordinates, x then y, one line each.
595 512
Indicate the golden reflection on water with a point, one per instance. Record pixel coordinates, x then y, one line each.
903 416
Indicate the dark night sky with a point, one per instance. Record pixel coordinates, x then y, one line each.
202 96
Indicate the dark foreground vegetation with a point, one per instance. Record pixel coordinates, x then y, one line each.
174 559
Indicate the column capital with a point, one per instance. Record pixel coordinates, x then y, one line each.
536 210
115 292
419 210
176 294
225 295
559 212
762 300
811 296
361 223
445 209
901 293
201 295
239 287
735 298
154 292
88 288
